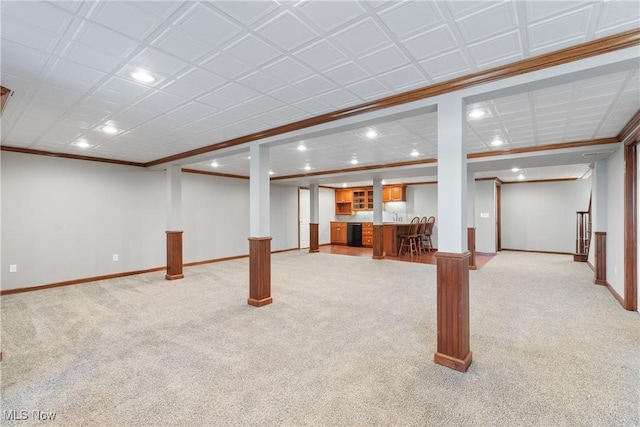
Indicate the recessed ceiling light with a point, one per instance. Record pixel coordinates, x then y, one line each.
302 147
344 185
476 114
307 167
109 129
271 172
143 76
371 134
214 164
82 144
383 182
415 153
520 177
496 142
354 161
515 169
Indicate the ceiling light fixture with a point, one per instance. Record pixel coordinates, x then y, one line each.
354 161
497 142
214 164
515 169
271 172
476 114
82 143
143 76
383 182
415 153
307 167
109 129
520 177
302 147
344 185
371 134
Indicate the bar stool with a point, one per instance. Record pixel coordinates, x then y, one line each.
409 240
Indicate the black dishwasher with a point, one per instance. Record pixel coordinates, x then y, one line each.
354 234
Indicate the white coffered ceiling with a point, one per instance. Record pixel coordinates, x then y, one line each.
225 69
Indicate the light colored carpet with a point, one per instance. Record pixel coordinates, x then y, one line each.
347 341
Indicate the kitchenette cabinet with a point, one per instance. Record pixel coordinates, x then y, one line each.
394 193
338 233
344 202
367 234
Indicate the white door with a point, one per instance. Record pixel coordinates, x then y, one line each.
304 215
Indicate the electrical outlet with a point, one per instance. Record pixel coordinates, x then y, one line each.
115 257
13 268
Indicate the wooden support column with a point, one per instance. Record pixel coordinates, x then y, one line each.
174 223
452 259
259 239
378 233
631 226
378 241
453 311
314 216
313 238
601 258
259 271
471 243
174 255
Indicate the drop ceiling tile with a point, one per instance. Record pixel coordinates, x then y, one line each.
346 73
330 15
23 56
457 8
74 76
312 106
559 29
263 103
237 92
260 82
120 17
362 37
246 12
617 16
207 25
404 77
120 90
104 40
488 22
321 55
411 17
181 88
369 89
339 98
181 45
216 100
431 43
38 14
501 48
159 9
161 65
203 79
446 65
385 59
253 50
288 114
29 36
314 85
537 10
287 70
226 65
288 94
159 102
88 57
287 31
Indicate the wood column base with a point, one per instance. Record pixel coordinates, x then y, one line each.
453 311
313 238
174 255
471 244
601 258
259 271
378 241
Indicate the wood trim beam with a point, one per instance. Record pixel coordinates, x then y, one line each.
630 227
223 175
562 56
533 181
563 145
630 133
68 156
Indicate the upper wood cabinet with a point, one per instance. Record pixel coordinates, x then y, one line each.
394 193
343 202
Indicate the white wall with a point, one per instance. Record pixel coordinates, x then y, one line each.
63 219
541 216
615 221
422 200
326 214
485 216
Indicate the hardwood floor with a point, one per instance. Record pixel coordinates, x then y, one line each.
427 258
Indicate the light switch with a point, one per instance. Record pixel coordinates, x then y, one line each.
484 215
